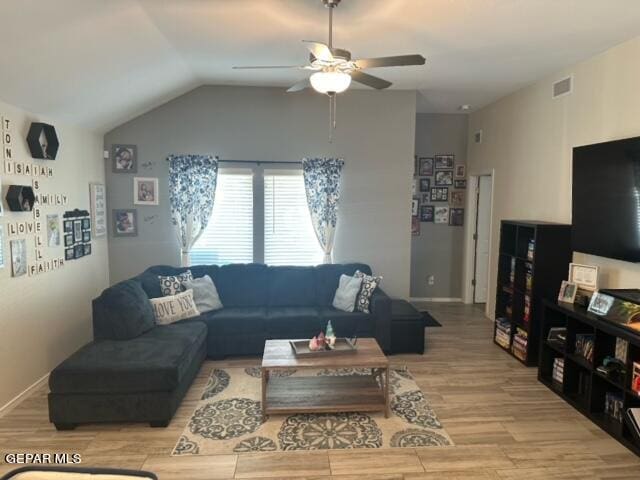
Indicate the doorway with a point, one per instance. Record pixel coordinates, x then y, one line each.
482 238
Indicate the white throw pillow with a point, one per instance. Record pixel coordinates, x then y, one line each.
205 294
173 308
345 297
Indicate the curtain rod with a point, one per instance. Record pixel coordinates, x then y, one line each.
258 162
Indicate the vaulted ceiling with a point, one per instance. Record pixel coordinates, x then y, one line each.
98 63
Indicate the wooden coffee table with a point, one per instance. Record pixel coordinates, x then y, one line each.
282 394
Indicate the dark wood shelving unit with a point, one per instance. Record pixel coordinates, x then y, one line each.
546 266
583 387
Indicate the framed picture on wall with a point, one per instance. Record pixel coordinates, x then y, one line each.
124 158
68 240
425 184
439 194
425 168
444 162
67 226
18 257
415 203
68 253
460 184
426 213
461 171
456 217
77 230
457 198
145 191
98 200
125 223
444 178
441 215
415 225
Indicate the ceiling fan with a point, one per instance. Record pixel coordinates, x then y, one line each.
334 69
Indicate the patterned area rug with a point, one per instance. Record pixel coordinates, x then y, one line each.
228 419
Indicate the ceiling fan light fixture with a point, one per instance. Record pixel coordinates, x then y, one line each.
330 82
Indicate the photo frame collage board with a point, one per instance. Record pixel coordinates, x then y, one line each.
124 221
76 231
438 191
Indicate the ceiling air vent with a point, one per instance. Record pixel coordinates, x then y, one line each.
563 87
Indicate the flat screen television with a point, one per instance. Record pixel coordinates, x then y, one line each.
606 199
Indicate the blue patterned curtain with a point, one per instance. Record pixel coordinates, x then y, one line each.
322 184
192 189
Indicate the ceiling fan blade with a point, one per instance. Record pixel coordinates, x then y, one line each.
319 50
269 66
369 80
397 61
299 86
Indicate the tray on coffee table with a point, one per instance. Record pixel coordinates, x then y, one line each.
341 347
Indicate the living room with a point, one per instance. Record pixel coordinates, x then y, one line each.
205 275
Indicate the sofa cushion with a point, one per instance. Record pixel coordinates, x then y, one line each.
293 322
347 293
172 308
122 312
205 294
155 361
291 286
172 284
151 284
349 324
242 285
235 320
328 276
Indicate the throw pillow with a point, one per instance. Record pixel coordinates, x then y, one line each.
345 297
176 307
205 294
369 284
173 284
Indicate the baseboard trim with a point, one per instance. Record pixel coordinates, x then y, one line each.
436 299
13 403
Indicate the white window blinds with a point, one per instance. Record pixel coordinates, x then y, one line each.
228 237
289 238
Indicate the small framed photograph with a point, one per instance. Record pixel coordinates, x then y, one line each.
425 184
86 236
444 178
426 213
415 204
125 158
584 276
77 230
461 171
439 194
87 249
415 226
67 226
426 197
462 184
441 215
68 253
145 191
600 303
567 292
414 186
125 223
444 162
78 251
68 240
456 218
86 224
18 257
53 230
457 198
425 168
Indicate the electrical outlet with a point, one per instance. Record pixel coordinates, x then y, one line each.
431 279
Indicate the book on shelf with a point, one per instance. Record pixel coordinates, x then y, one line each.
584 345
622 347
512 272
635 378
529 277
526 317
503 332
613 405
557 372
531 248
519 344
632 418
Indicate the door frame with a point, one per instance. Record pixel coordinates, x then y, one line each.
470 243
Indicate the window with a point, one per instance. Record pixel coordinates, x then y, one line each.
228 237
289 238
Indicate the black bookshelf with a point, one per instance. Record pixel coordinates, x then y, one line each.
582 386
526 276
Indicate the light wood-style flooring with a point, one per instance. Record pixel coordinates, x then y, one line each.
504 423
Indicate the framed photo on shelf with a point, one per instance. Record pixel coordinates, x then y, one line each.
415 204
600 303
441 215
462 184
584 276
456 218
439 194
444 178
426 213
425 184
145 191
444 162
125 158
461 170
567 292
425 166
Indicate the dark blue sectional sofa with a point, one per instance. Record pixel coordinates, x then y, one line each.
137 371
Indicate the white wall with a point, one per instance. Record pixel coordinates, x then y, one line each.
375 135
528 139
45 318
